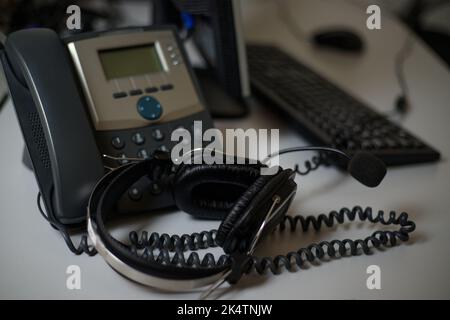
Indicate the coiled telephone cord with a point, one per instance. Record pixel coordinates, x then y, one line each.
83 246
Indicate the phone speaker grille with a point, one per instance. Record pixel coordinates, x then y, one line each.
39 138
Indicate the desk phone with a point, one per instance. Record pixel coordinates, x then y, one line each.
119 93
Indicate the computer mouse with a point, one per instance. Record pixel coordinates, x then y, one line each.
339 39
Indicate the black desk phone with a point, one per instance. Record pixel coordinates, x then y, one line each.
119 93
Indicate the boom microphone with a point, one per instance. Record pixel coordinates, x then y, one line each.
367 169
363 166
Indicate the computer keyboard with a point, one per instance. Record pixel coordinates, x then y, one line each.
326 113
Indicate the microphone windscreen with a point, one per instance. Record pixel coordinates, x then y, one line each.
367 169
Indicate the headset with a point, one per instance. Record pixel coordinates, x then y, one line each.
249 205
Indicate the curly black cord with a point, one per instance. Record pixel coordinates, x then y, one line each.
337 248
157 247
83 247
193 242
312 165
166 249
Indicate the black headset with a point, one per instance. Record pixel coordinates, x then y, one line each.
250 205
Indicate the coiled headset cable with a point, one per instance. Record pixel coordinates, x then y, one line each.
167 249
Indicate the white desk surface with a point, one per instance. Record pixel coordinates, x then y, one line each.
34 258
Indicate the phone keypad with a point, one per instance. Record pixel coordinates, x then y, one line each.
140 143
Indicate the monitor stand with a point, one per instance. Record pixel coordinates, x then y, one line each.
218 102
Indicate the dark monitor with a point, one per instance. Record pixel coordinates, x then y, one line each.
215 26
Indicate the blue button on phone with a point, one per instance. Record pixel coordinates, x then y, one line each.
149 108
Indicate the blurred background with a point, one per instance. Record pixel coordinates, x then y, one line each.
379 77
430 19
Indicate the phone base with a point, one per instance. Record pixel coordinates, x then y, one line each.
26 160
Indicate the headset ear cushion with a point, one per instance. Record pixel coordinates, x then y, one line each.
239 208
245 219
210 191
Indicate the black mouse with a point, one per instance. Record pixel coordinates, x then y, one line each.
339 39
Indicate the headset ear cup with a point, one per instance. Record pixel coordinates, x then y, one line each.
240 227
238 209
210 191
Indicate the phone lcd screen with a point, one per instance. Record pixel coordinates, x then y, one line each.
130 61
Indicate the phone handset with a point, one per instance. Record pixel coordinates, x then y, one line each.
41 64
